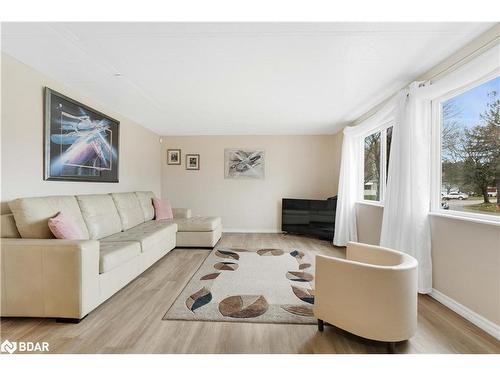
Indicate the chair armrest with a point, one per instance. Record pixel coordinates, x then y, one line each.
49 277
349 292
378 255
181 213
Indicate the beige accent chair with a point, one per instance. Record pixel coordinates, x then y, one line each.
66 279
372 293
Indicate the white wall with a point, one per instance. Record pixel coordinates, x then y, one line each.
465 259
296 167
369 223
22 141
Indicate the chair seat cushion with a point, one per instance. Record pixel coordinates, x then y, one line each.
114 254
198 224
148 234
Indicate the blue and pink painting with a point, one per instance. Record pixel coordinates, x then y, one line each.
81 144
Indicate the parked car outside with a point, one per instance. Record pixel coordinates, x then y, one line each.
455 195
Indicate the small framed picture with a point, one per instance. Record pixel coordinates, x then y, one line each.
174 157
193 161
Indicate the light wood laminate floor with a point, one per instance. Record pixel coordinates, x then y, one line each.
131 320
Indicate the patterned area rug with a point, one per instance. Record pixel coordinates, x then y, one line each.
241 285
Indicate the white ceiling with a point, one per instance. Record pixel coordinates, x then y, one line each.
236 78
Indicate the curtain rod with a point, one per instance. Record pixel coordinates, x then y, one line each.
462 61
478 51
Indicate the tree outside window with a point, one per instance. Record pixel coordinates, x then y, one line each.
372 167
470 150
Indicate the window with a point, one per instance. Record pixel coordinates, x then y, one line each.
372 167
376 162
469 126
388 140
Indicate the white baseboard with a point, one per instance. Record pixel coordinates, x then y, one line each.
472 316
235 230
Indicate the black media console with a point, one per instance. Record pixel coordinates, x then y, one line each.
309 216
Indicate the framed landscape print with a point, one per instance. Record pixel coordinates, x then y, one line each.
244 164
193 161
174 157
81 144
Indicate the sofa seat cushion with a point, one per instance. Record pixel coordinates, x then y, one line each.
32 215
198 224
114 254
147 234
100 215
129 209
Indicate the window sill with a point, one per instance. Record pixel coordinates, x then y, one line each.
470 218
371 203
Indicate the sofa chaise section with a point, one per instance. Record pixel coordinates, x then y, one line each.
198 231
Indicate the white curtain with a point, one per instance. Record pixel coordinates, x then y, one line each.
405 224
351 169
345 216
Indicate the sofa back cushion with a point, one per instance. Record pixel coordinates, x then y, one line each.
32 214
100 215
146 201
8 227
129 209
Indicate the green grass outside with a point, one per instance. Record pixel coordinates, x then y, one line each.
491 208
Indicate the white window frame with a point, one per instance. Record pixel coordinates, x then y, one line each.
383 172
436 156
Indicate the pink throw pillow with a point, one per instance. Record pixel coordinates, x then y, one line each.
64 228
163 209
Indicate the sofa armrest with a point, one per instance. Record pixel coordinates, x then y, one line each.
49 277
181 213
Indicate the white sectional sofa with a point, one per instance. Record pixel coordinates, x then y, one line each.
45 277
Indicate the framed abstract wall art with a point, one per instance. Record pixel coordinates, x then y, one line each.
244 164
81 144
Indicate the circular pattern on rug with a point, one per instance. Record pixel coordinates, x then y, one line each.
306 295
270 252
301 310
198 299
244 306
226 266
238 250
297 254
210 276
227 254
299 276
